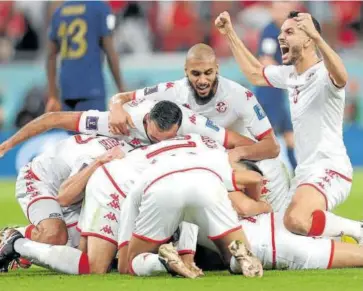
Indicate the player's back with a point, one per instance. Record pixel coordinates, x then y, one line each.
77 27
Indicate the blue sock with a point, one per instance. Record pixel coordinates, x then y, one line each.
291 155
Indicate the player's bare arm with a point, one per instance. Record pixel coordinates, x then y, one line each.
332 61
246 206
53 103
249 65
113 61
72 190
45 122
244 148
119 118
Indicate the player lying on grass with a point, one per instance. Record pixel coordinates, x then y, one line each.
316 92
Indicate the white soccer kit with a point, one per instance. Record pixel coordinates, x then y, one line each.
96 122
38 182
233 106
317 108
179 188
278 248
111 183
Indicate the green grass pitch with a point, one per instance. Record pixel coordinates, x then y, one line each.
40 279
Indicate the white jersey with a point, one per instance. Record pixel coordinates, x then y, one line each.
233 106
317 108
69 156
96 122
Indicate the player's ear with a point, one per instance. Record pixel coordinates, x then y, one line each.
217 68
307 42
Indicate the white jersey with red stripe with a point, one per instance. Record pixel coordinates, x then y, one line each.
233 106
317 109
68 156
96 122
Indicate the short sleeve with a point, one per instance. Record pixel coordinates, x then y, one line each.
108 20
333 88
159 92
81 163
94 122
252 114
195 123
276 76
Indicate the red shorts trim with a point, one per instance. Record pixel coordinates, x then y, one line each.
186 252
180 171
315 187
262 135
272 218
78 122
330 264
113 182
225 142
78 229
265 77
225 233
234 181
30 173
125 243
35 200
150 239
86 234
72 224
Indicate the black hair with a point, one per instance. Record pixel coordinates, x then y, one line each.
250 165
165 114
293 14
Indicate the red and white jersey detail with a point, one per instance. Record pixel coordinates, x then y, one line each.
96 122
68 156
232 105
317 108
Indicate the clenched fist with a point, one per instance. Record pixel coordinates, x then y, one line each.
223 23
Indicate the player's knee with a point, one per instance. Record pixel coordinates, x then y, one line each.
53 233
96 268
295 222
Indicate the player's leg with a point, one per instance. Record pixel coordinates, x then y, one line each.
91 104
100 252
59 258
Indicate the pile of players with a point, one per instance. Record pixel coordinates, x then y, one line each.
166 174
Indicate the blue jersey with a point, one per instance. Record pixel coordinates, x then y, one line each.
269 46
77 27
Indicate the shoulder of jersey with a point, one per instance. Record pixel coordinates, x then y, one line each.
233 90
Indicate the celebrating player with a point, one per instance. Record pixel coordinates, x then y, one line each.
316 95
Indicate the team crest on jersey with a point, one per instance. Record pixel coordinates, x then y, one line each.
151 90
135 142
259 112
169 85
221 106
249 95
211 125
193 119
308 77
92 122
186 105
295 94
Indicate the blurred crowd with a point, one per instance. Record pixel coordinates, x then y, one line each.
174 26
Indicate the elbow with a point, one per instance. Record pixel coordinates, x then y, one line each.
62 200
243 209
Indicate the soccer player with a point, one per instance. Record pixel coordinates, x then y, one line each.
79 34
203 90
273 100
316 94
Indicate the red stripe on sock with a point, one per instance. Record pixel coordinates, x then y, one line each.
83 267
131 269
330 264
28 231
317 224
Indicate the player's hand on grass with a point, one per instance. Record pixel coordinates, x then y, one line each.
120 120
305 23
53 105
223 23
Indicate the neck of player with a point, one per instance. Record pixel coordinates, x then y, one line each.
306 61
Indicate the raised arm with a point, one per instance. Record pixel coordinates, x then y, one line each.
45 122
249 65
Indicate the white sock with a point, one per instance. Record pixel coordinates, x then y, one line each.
147 264
337 226
21 230
235 266
59 258
187 243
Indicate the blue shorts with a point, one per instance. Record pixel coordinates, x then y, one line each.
280 118
84 104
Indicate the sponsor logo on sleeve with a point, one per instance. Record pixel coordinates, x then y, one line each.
92 122
151 90
259 112
211 125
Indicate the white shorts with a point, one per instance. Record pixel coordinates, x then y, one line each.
38 202
105 193
277 248
196 196
334 186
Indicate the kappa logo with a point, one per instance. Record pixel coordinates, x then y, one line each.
107 229
193 119
169 85
221 106
249 95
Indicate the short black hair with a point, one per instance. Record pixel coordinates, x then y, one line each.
293 14
165 114
250 165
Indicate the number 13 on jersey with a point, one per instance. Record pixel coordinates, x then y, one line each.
72 36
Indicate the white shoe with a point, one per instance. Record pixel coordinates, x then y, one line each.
169 256
250 265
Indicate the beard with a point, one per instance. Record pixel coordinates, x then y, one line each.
295 55
202 100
